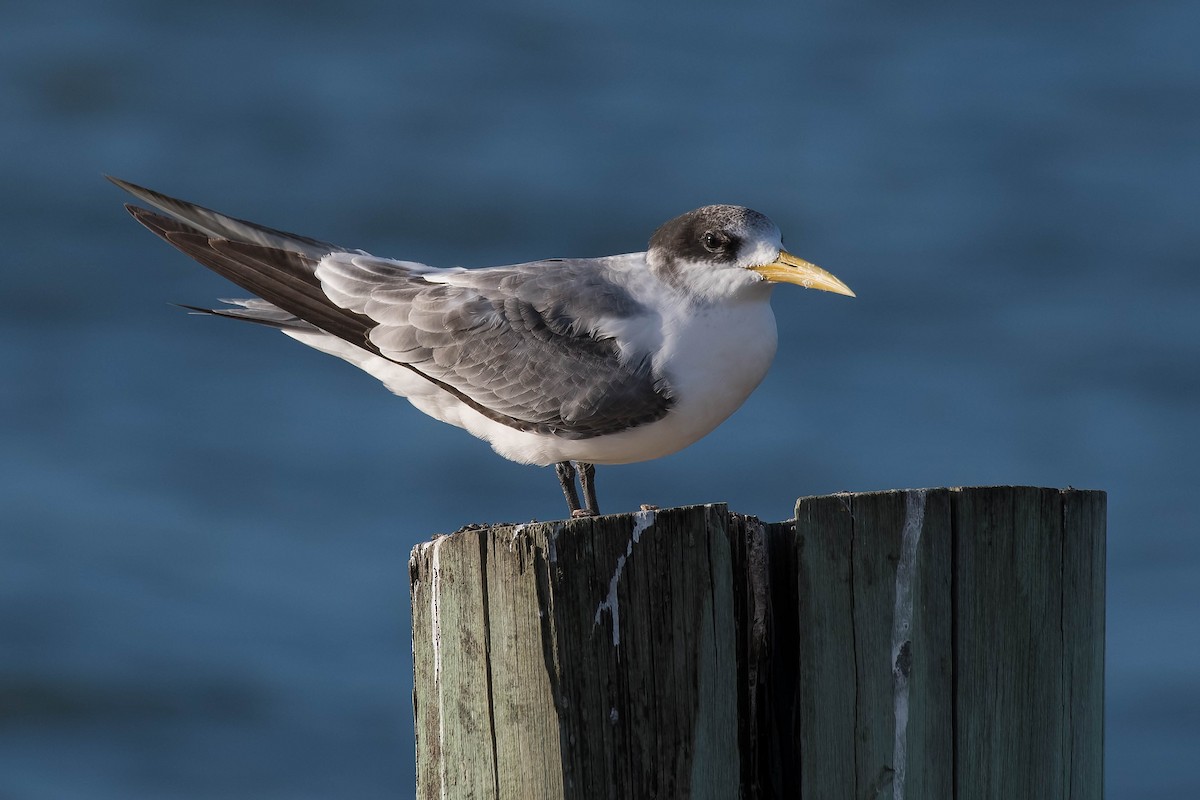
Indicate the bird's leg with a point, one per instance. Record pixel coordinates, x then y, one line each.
587 482
566 476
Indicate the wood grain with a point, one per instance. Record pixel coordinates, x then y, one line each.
938 643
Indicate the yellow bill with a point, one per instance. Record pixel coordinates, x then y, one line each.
789 269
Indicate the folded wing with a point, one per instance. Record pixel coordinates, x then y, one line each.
522 345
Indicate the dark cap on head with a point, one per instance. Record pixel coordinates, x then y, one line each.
711 233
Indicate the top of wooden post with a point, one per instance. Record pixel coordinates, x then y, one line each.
915 643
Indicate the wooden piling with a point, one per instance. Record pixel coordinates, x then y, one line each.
941 643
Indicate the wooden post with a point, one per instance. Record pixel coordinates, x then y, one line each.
940 643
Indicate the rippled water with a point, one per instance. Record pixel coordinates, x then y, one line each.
203 580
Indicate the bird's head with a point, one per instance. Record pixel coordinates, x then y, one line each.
720 251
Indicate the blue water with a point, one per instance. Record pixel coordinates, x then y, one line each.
203 564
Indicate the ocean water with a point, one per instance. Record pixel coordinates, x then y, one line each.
204 527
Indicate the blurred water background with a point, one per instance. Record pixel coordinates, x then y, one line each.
205 526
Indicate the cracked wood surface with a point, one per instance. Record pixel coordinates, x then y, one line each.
598 663
940 643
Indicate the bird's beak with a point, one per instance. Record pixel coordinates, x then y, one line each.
789 269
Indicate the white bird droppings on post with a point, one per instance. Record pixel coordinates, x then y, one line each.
516 534
642 521
902 615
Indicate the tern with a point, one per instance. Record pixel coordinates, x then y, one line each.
570 362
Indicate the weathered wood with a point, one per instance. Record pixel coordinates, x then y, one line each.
449 601
875 663
600 662
928 643
766 616
1008 597
1084 531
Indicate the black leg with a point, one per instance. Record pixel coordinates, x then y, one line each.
587 482
566 477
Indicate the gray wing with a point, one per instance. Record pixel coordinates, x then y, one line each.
520 344
522 341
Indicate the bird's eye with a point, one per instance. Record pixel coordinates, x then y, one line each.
713 242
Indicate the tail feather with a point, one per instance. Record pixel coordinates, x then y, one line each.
257 311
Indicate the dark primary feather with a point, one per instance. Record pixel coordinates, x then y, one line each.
283 278
514 345
221 226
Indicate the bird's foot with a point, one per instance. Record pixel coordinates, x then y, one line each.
648 507
566 470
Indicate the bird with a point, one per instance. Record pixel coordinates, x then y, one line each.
569 362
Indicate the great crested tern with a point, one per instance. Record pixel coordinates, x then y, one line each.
565 361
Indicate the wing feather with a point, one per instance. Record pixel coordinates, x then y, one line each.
523 345
220 226
525 340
